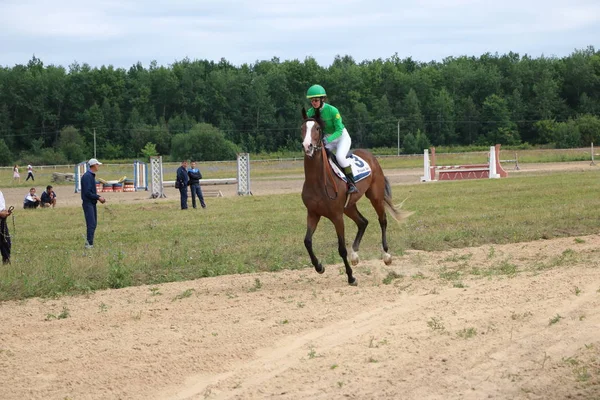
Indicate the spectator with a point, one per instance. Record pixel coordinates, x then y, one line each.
181 183
30 172
5 243
48 197
16 175
195 176
31 200
89 199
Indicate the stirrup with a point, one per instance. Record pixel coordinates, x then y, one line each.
352 188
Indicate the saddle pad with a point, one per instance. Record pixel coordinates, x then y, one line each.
360 168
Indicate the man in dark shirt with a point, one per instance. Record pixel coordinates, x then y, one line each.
89 199
48 197
182 183
5 243
195 176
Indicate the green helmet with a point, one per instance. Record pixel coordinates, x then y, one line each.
315 91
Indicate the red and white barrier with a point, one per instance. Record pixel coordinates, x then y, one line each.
491 170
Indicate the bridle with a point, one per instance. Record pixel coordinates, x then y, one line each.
327 172
319 145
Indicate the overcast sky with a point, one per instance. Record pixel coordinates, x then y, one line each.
123 32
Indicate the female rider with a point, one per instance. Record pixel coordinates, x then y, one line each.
336 136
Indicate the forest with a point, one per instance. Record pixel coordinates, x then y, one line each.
209 110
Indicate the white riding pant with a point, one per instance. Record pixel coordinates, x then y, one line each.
341 147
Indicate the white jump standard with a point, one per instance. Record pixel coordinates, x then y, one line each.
491 170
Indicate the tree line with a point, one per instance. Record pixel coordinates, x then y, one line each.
210 110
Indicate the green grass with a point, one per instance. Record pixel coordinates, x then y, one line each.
467 333
155 242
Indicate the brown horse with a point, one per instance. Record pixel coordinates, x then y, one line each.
324 195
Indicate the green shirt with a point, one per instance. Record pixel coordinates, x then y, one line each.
333 121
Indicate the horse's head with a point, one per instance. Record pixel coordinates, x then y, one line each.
312 132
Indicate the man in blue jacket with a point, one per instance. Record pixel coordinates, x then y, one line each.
195 176
182 183
89 199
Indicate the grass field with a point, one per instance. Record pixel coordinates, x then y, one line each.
156 242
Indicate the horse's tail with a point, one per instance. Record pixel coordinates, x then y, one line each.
395 210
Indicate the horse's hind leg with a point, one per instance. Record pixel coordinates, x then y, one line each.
311 225
339 229
361 222
379 206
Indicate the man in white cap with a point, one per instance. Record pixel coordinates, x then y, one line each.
89 198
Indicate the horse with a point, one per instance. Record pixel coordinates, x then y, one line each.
324 195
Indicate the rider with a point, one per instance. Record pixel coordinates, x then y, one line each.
336 135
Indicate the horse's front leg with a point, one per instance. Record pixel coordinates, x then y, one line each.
311 225
339 229
361 223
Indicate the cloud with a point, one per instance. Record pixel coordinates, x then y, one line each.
241 31
42 20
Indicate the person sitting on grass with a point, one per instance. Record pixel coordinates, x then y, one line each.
31 200
48 197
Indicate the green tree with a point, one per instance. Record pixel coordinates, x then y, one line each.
257 105
545 130
149 150
588 105
384 131
498 127
422 142
546 101
112 151
360 129
181 123
5 123
577 71
566 135
442 130
414 119
409 145
589 128
204 142
71 144
468 125
5 154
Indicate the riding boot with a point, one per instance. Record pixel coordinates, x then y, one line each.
351 183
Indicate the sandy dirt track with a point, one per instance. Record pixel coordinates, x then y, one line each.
534 334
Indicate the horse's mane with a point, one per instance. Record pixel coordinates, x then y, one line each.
316 118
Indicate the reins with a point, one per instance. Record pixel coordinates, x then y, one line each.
328 173
5 234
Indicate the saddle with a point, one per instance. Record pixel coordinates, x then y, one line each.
360 168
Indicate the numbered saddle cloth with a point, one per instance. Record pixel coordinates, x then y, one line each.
360 168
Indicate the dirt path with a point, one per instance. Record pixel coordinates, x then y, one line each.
517 321
297 334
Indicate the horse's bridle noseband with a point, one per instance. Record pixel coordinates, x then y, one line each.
319 145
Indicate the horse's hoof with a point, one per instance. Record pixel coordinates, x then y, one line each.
353 282
354 259
320 269
387 258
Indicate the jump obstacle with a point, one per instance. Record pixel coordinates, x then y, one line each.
139 182
157 183
491 170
